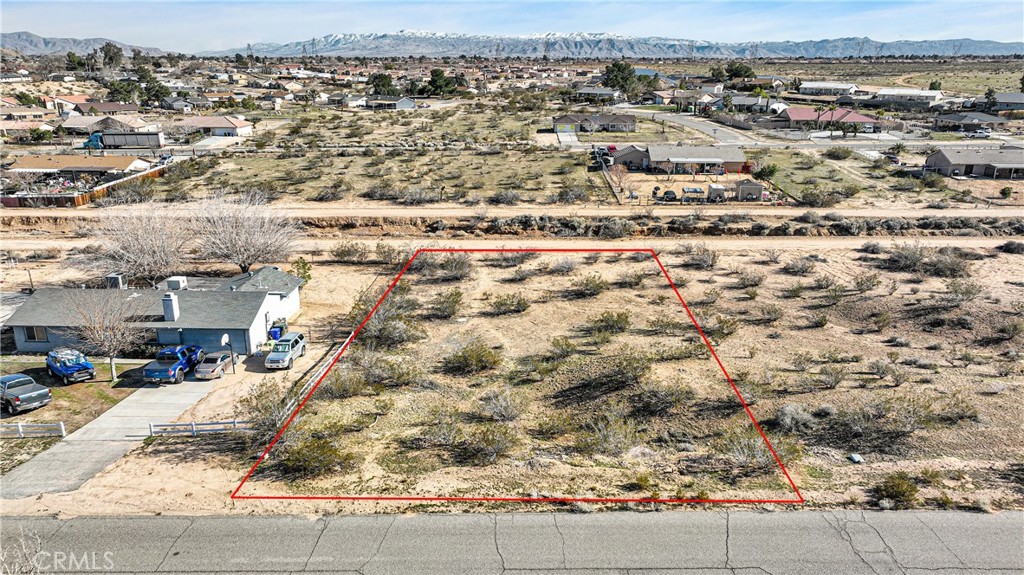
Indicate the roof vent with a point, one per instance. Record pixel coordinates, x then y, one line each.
177 283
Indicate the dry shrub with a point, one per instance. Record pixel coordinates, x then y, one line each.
607 435
501 405
509 304
472 357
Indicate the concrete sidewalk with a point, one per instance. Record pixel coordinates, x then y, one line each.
98 444
685 542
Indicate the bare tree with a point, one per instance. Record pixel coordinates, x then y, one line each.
146 241
246 230
620 177
106 321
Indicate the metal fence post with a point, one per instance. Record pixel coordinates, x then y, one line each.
193 429
151 433
62 432
21 431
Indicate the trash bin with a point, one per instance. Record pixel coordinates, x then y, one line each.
274 333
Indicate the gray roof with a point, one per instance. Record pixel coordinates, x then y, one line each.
1003 157
971 118
53 307
266 279
697 154
597 90
1010 97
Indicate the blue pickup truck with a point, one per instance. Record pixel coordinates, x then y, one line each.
69 366
172 363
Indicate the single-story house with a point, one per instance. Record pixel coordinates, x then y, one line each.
1007 101
336 99
61 77
390 103
970 121
14 78
218 125
594 123
243 308
68 102
90 124
105 108
800 117
766 83
597 94
22 128
683 159
827 88
908 95
71 164
1005 162
744 103
27 113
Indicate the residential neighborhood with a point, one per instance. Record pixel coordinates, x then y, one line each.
305 288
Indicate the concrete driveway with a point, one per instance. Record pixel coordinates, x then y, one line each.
99 443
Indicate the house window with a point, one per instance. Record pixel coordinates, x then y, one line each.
35 334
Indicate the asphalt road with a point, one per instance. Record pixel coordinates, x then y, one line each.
691 542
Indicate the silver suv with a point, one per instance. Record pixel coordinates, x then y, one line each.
285 350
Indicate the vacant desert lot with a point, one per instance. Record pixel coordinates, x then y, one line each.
604 390
912 371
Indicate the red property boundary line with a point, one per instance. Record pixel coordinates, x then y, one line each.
799 499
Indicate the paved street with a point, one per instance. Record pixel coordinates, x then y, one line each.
692 542
84 453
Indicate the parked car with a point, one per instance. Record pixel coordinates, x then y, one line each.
285 350
19 392
69 366
979 135
213 366
172 363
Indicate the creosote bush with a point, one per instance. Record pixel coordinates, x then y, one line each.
898 488
509 303
446 304
562 347
610 321
589 286
314 457
350 252
472 357
492 441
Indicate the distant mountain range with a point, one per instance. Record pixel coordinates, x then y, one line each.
32 45
576 45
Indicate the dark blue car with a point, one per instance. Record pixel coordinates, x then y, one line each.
69 366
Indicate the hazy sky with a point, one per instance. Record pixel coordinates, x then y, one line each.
193 26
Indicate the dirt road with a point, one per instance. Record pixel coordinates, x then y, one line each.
719 242
315 210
